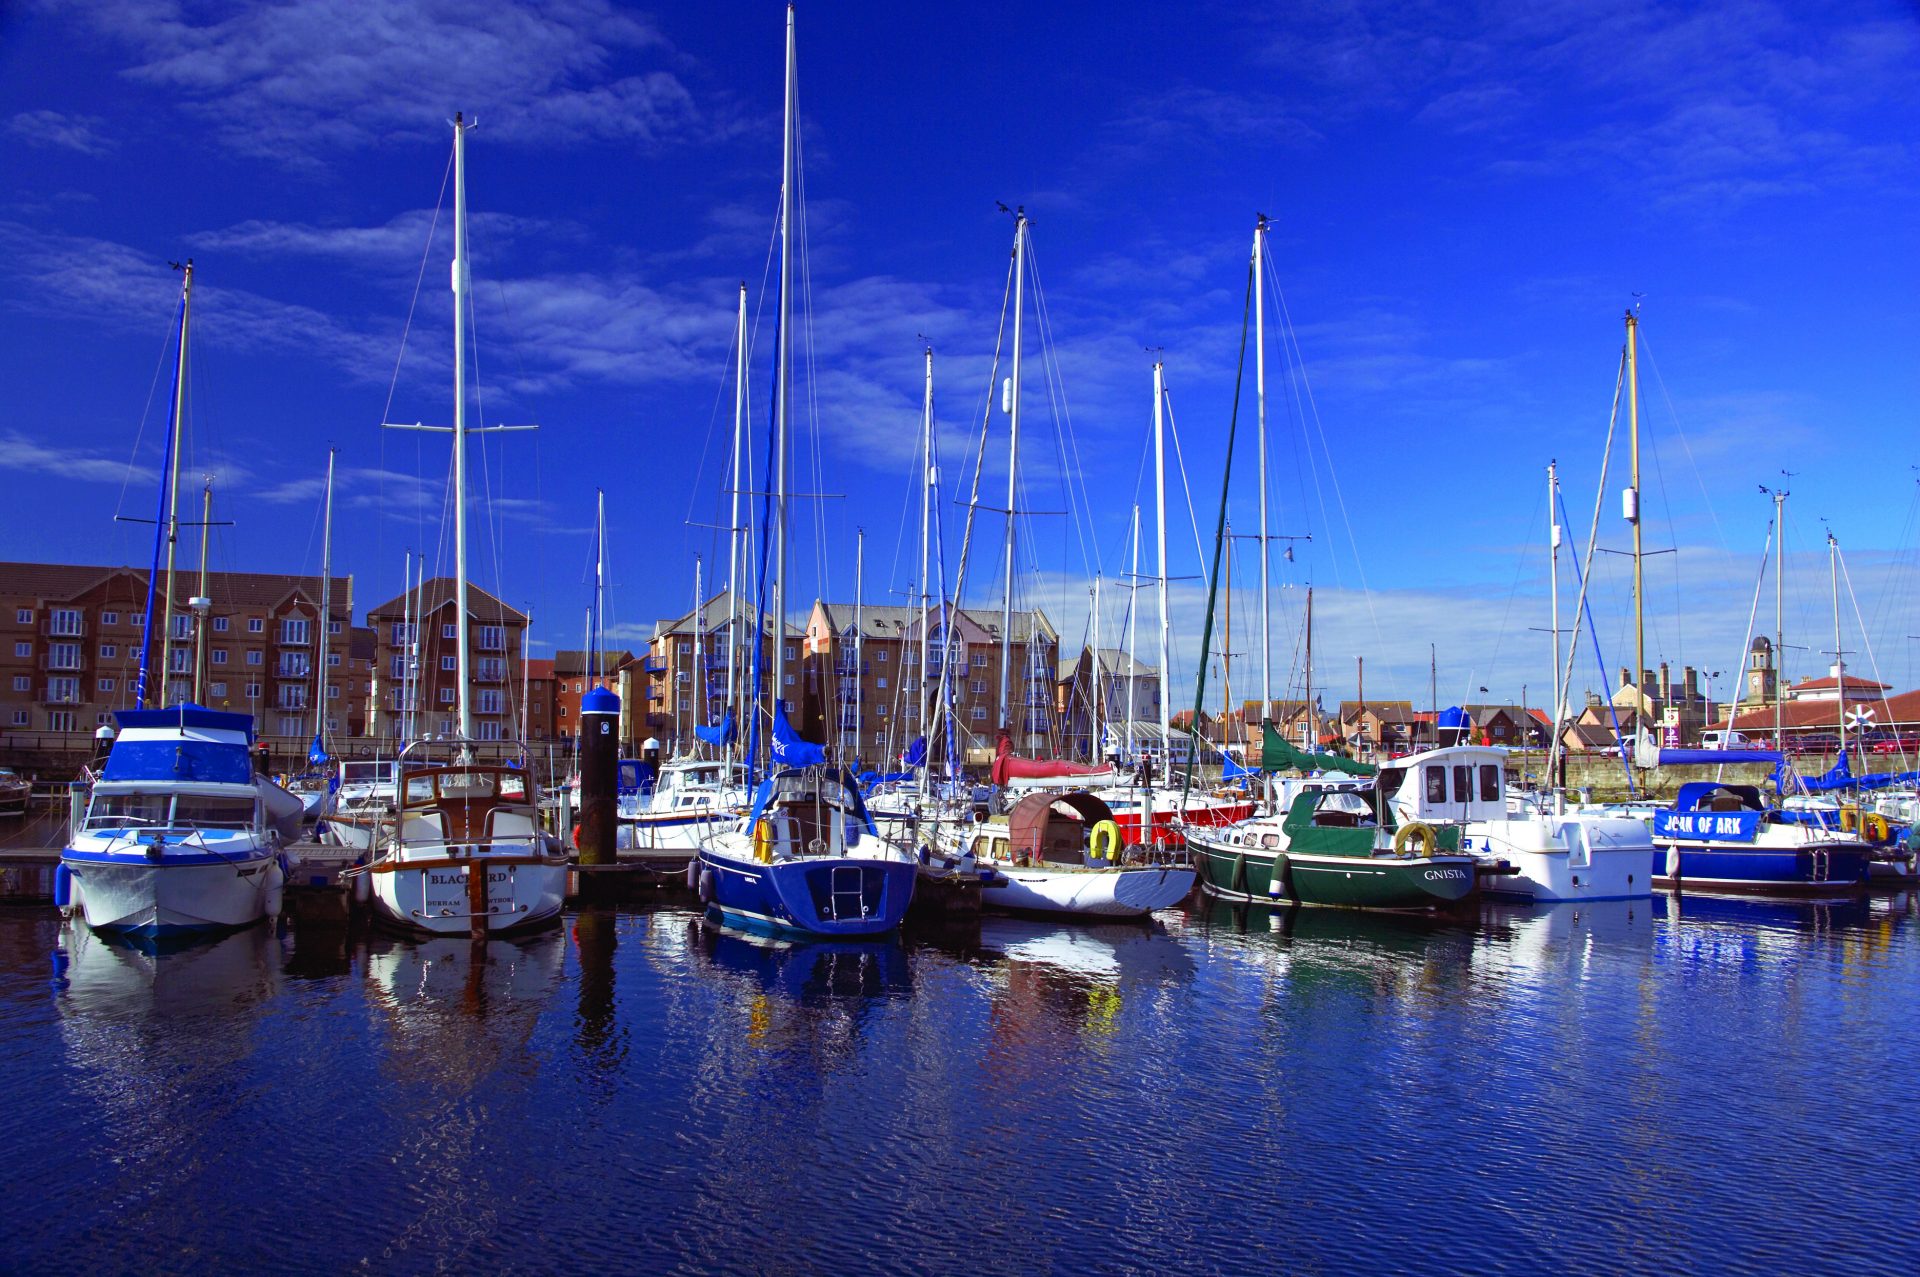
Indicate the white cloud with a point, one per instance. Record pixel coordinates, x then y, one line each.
61 131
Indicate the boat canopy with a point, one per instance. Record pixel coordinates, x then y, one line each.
1712 795
792 786
1054 826
1276 755
1717 757
186 718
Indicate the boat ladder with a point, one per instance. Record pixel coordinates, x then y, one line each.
846 894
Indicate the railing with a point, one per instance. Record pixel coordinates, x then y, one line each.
285 641
56 696
50 662
76 629
484 675
653 665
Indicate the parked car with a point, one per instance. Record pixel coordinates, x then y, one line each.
1814 743
1724 739
1889 743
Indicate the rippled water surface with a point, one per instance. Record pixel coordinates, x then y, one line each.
1664 1087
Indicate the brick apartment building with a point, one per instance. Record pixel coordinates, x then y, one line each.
70 644
427 703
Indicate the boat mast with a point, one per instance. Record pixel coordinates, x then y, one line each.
926 579
859 649
1313 717
1226 654
460 283
1095 752
699 709
1839 658
1260 388
201 605
600 585
734 556
1632 511
173 489
1133 632
1779 610
326 608
1160 516
1553 589
783 400
1013 458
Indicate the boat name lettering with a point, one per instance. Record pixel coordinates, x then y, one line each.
1445 875
1741 826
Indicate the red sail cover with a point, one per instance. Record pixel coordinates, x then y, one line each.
1009 766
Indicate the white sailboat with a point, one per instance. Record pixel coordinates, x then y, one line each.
465 854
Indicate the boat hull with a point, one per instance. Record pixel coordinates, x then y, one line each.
1167 827
809 896
172 895
1087 893
1234 873
1374 882
1591 858
438 898
1801 869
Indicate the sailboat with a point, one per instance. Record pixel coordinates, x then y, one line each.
178 834
807 859
464 854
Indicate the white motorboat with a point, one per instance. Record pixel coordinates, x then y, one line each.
178 834
465 854
1061 854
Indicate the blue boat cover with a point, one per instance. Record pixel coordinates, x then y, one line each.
317 753
1234 769
184 716
916 755
721 734
222 762
1454 717
791 751
1716 757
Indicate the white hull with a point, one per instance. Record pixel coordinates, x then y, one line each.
1566 858
435 898
151 897
355 832
1090 893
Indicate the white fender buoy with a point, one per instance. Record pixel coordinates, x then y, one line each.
275 886
363 887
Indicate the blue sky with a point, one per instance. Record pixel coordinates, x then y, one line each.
1465 201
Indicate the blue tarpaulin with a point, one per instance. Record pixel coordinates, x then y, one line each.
916 755
719 735
789 750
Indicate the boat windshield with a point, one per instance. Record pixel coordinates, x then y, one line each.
126 811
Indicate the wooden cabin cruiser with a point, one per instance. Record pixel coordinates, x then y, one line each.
465 854
179 834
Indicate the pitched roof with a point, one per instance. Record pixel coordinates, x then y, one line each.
887 621
1385 711
1828 682
713 616
571 662
438 593
1902 709
64 582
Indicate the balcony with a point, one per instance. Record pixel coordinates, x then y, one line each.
54 694
847 669
64 629
284 641
49 661
485 675
654 665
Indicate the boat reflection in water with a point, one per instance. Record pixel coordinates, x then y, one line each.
1084 975
807 973
1571 937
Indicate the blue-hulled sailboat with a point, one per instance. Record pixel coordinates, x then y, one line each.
1728 838
807 859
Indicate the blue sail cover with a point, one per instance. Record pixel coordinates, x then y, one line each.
1234 769
720 735
1717 757
317 753
916 755
1839 776
788 749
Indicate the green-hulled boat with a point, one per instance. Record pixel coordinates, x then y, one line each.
1355 838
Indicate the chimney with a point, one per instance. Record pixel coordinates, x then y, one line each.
1690 681
1665 684
1626 677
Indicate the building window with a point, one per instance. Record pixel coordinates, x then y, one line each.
60 720
137 620
487 731
294 630
23 616
23 649
219 625
256 625
254 657
685 677
402 634
788 679
979 660
449 662
882 682
108 651
63 691
879 738
63 656
23 682
218 656
109 618
979 686
333 627
492 638
788 706
686 649
106 686
790 652
880 711
487 702
179 660
446 696
253 691
19 718
881 656
979 713
333 692
333 658
65 623
448 631
217 690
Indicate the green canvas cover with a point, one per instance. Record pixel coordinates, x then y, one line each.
1277 755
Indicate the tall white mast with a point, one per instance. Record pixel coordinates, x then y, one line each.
326 608
461 281
859 649
600 584
734 556
1133 633
1013 459
1839 657
1160 498
173 492
1095 752
1553 587
1260 384
783 400
201 603
699 648
406 652
926 578
1632 511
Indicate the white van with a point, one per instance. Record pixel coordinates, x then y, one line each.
1724 740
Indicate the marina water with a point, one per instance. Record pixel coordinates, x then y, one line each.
1681 1085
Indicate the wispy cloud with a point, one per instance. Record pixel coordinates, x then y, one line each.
61 131
20 453
295 82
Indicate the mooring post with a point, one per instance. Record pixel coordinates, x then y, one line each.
599 779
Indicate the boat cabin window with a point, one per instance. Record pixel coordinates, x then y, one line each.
1341 809
1490 782
110 810
466 785
419 791
1435 778
1462 783
218 813
1270 841
513 787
